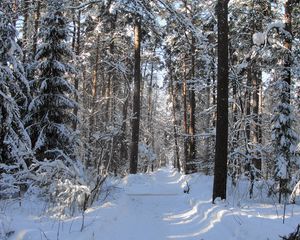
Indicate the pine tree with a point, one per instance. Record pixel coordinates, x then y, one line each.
220 171
51 108
15 142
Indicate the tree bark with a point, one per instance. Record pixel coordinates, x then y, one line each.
36 27
288 9
25 30
136 97
77 52
94 92
173 94
220 171
123 148
191 167
256 83
185 123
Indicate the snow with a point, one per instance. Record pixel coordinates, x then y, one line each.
153 206
258 38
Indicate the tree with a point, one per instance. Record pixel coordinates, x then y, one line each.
15 143
284 137
245 139
136 96
220 171
50 111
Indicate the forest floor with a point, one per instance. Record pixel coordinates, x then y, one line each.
153 206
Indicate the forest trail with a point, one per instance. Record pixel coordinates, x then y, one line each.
148 207
153 206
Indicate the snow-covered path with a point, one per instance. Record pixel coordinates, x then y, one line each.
153 206
147 207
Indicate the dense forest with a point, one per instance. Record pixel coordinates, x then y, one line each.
98 88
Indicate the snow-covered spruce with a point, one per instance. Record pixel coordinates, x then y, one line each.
284 137
50 111
15 142
50 118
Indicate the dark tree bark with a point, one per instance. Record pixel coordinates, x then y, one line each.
191 167
173 94
185 123
94 94
77 52
220 171
288 9
26 4
150 107
136 97
256 83
36 27
123 148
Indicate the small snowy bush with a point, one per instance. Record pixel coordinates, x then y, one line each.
5 230
68 196
65 183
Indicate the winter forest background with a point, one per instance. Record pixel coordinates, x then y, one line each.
92 89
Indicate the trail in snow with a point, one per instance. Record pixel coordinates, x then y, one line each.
146 206
154 207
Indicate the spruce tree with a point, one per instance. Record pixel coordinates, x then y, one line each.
284 138
51 108
15 142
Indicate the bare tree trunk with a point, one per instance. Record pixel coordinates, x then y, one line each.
191 165
256 83
249 162
136 97
288 9
248 106
77 52
220 172
173 94
185 124
25 30
150 104
74 29
94 99
207 126
15 12
123 149
234 160
214 94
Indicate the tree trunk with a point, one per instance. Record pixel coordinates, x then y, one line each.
185 123
286 77
36 27
220 171
94 92
150 104
288 9
123 148
173 94
25 31
191 165
136 97
77 52
256 83
207 152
